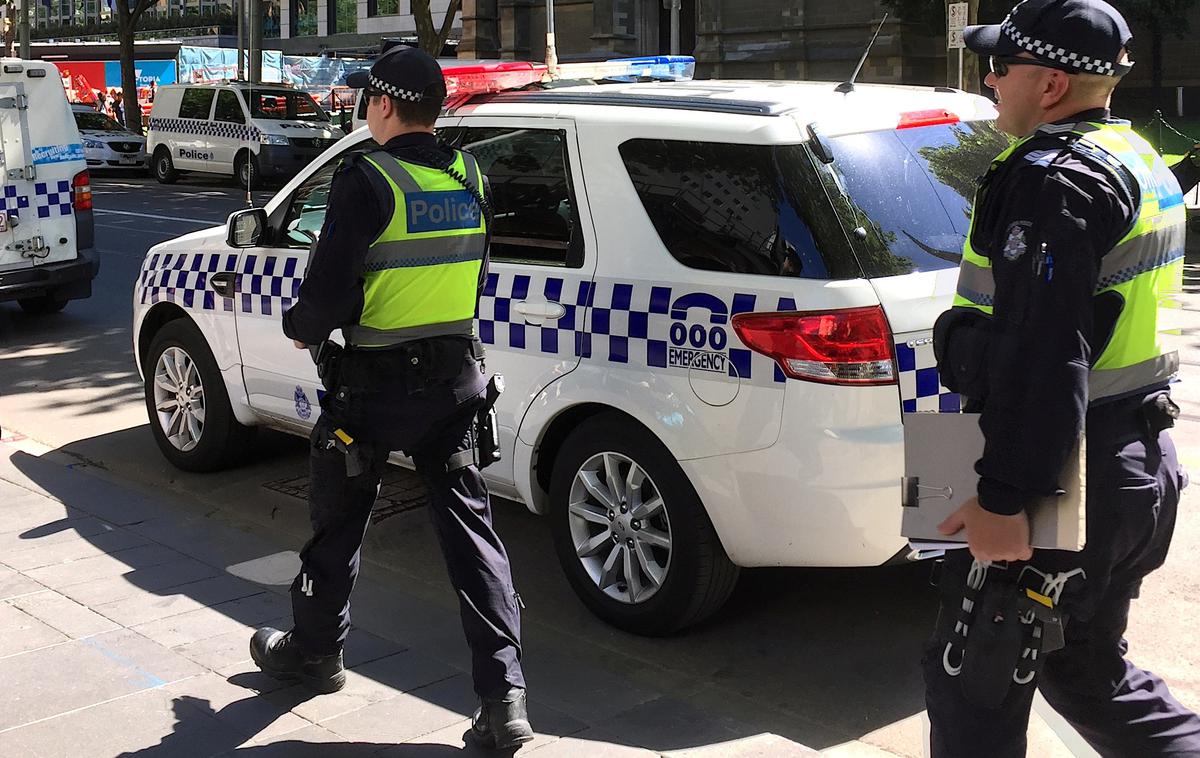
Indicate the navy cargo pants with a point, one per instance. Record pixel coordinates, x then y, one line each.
420 398
1133 487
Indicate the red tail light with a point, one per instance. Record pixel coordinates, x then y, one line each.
913 119
83 191
850 346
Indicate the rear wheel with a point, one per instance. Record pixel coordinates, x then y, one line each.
164 167
631 533
246 171
186 401
42 305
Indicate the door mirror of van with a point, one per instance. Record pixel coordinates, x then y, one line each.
247 228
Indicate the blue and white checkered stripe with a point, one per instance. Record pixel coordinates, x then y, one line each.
49 199
920 389
267 285
205 128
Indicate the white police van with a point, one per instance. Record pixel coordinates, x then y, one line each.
247 131
711 302
46 225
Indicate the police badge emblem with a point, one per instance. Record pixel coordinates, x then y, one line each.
1014 243
303 406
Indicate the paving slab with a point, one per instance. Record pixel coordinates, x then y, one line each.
52 533
549 726
310 742
89 569
409 716
20 632
758 746
666 723
146 607
227 653
149 723
14 584
79 673
240 708
64 614
108 589
592 743
241 615
105 543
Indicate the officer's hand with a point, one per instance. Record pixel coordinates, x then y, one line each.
990 536
299 345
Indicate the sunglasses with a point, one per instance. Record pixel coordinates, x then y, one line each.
999 64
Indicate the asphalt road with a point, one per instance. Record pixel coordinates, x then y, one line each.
823 657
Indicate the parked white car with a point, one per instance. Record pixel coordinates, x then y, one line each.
711 302
106 143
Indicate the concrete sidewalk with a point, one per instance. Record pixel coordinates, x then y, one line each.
124 624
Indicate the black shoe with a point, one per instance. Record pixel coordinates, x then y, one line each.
502 723
281 658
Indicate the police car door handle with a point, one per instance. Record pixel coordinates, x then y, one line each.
223 283
545 310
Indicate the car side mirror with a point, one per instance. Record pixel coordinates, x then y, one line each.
246 228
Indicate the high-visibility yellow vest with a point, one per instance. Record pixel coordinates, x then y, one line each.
421 274
1145 267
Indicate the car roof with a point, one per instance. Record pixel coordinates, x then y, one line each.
865 108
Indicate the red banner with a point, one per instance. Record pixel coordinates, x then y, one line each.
84 81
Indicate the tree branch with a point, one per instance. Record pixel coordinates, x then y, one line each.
448 22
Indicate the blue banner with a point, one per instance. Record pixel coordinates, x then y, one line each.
208 64
57 154
157 73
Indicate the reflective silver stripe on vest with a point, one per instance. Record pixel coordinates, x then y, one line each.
1119 381
369 336
1137 256
976 283
472 170
391 166
424 252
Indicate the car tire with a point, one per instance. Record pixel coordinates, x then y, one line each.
42 305
683 572
164 168
180 371
246 171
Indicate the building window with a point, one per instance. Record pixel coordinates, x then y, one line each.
270 20
383 7
343 16
304 18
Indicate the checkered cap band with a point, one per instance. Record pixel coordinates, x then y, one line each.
394 91
1052 52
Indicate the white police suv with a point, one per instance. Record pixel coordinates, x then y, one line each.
711 302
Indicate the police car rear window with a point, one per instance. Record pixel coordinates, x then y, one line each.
743 209
911 191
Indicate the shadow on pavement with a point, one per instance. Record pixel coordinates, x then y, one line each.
819 656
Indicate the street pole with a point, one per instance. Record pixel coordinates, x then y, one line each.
241 35
255 9
24 30
675 6
960 68
551 51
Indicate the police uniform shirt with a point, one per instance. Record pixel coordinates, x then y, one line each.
359 207
1045 222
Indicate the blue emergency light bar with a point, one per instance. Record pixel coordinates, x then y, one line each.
661 67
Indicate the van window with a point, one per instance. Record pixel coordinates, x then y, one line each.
229 108
283 105
744 209
533 204
912 191
196 103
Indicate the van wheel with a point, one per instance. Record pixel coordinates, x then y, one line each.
42 305
631 533
188 406
164 167
246 171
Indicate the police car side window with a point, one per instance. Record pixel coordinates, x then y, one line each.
196 103
535 219
743 209
229 109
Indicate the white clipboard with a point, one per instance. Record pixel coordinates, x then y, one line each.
940 451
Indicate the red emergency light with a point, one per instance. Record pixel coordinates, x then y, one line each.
481 78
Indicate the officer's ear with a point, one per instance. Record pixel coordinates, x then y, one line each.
1056 87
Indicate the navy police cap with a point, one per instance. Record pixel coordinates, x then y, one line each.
403 72
1086 36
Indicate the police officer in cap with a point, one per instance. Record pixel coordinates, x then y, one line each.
398 268
1076 236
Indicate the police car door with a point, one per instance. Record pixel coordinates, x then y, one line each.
21 241
543 258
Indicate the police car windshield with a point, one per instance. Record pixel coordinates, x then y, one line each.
284 105
912 191
97 122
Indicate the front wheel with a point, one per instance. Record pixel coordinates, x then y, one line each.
164 167
247 171
190 414
631 533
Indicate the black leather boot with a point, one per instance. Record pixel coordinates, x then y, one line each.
502 723
281 658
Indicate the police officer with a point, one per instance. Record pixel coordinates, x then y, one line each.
1077 232
398 267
